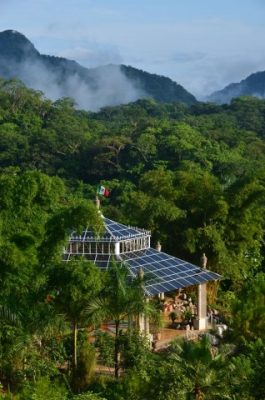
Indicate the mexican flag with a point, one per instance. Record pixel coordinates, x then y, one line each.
103 191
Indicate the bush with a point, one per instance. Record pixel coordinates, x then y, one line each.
44 389
105 345
86 367
88 396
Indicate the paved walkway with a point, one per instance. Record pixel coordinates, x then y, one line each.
168 335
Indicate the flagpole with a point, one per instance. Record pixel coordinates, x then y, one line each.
97 203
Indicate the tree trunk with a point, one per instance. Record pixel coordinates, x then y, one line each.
198 392
117 353
74 360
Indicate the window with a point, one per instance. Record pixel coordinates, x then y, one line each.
87 248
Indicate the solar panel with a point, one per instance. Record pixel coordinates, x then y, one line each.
167 272
164 272
113 231
122 231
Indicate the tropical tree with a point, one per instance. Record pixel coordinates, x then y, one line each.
249 309
75 284
122 298
36 215
202 368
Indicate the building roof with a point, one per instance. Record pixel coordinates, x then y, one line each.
113 231
163 272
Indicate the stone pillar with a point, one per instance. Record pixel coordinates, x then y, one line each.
201 321
141 323
146 321
159 248
143 320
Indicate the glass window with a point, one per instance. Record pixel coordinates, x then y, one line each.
80 248
112 248
99 248
87 248
75 247
93 246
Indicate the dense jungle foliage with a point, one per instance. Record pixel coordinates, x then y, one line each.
193 175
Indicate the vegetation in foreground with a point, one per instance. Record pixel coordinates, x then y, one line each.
195 176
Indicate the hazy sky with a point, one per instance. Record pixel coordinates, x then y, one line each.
201 44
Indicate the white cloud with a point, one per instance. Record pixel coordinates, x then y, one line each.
106 87
93 56
202 50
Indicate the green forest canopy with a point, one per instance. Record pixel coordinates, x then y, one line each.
193 175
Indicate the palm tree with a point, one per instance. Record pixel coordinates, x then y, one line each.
77 283
123 297
204 369
25 336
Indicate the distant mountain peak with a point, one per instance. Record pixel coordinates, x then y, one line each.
253 85
16 45
12 33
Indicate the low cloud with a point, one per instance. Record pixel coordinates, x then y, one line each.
211 72
98 88
188 57
91 89
92 56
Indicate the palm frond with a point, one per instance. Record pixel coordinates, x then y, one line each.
6 315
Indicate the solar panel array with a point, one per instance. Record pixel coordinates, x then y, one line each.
164 272
101 260
121 231
113 231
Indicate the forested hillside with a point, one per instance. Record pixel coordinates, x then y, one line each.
194 175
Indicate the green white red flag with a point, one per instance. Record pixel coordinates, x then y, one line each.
103 191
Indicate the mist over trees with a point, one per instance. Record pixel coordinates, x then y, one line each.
91 88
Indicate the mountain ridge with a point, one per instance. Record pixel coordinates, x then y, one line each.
252 85
91 88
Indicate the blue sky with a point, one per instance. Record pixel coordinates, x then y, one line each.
201 44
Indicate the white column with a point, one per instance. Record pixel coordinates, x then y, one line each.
143 320
141 323
201 321
117 248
